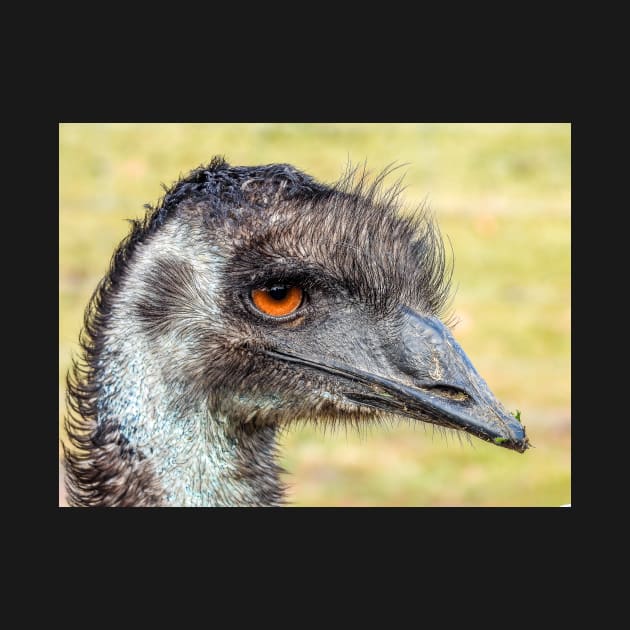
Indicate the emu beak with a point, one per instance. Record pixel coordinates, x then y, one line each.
424 374
432 379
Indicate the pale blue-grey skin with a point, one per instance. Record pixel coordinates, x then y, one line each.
193 455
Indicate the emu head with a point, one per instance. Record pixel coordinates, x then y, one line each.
276 298
255 296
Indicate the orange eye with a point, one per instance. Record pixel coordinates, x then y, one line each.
277 301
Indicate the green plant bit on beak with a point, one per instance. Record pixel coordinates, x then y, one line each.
499 440
517 414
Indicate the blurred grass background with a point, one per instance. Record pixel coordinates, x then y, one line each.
500 192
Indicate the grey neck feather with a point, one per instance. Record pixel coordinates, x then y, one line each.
194 456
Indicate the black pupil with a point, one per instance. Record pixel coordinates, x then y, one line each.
278 293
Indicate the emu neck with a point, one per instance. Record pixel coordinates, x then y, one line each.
155 437
187 455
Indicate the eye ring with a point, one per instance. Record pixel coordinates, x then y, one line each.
277 301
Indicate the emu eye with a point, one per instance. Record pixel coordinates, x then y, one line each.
278 300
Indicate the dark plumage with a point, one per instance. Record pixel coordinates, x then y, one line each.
184 382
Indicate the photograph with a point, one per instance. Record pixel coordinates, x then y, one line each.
310 314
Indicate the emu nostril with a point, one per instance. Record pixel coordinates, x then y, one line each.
446 391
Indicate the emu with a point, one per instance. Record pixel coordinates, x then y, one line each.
247 299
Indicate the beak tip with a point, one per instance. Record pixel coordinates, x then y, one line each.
517 440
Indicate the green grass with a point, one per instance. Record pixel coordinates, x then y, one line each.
501 194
